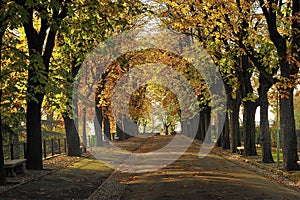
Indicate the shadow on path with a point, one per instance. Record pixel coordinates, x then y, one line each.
212 177
77 181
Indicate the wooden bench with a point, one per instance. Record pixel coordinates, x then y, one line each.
240 150
14 167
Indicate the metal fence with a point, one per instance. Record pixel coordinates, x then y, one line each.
49 148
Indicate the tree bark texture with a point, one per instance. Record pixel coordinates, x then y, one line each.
98 123
265 136
73 142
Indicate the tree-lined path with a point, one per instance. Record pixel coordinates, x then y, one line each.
212 177
192 178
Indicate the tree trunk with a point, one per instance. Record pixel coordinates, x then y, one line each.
120 132
233 105
194 126
249 128
135 129
127 127
198 134
184 127
234 126
98 126
219 130
40 45
225 139
288 132
34 134
202 131
84 139
71 124
166 129
72 137
207 123
144 128
106 128
265 137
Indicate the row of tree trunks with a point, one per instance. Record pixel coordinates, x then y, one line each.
288 70
266 81
204 122
126 128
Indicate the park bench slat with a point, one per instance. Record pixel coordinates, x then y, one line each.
12 163
12 167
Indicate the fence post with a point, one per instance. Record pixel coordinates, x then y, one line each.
11 151
45 149
58 140
65 145
90 144
52 147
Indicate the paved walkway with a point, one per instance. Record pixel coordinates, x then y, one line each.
192 178
187 178
77 181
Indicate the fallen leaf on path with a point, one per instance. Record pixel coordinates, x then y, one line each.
184 186
168 178
164 194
